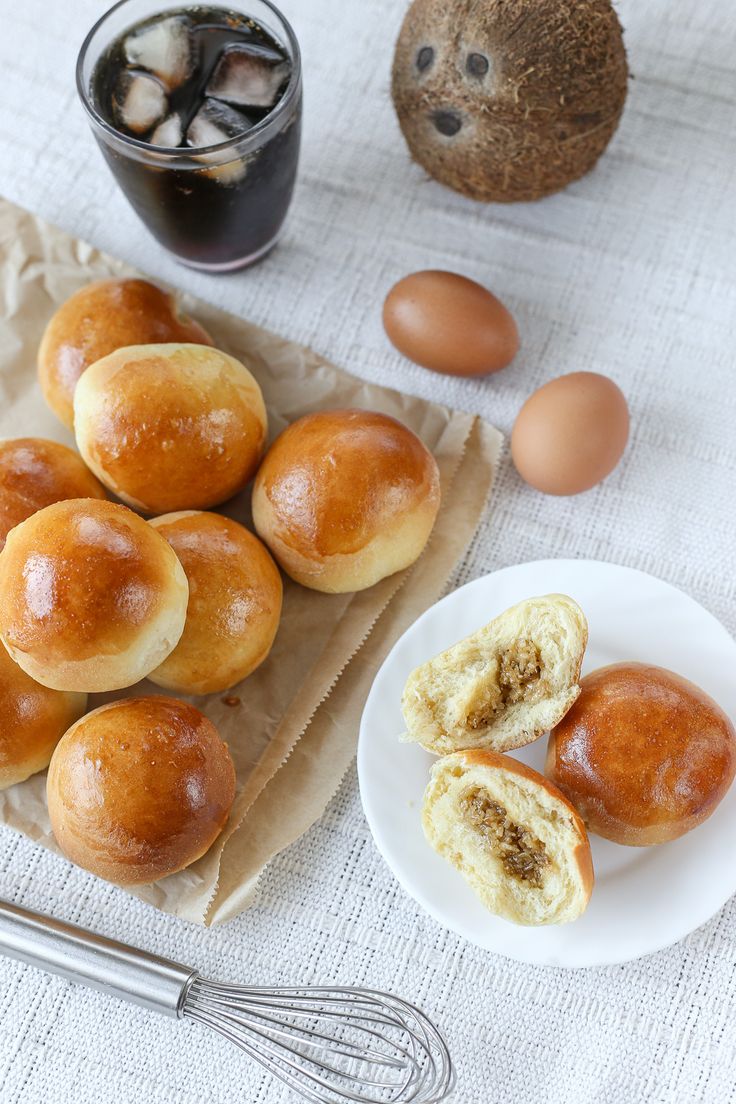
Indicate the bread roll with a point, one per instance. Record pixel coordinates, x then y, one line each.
234 603
512 835
139 789
35 473
644 754
91 597
170 427
345 498
502 686
98 319
32 721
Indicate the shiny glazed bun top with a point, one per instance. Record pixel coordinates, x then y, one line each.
170 427
98 319
32 721
234 602
139 788
35 473
345 498
644 754
91 597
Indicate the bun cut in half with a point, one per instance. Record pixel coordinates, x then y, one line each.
519 844
91 597
502 686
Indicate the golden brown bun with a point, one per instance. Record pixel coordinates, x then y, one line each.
98 319
91 597
170 427
643 754
512 835
139 788
502 686
35 473
345 498
234 603
32 721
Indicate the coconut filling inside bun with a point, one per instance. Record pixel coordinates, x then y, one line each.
519 676
512 835
504 685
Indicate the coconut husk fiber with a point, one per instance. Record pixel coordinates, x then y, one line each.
507 100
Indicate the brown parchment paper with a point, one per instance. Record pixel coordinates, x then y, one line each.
293 733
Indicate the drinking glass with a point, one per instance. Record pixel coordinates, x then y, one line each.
219 207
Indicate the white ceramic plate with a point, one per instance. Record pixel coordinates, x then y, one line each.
644 898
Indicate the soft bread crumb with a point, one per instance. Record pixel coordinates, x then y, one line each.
504 685
516 840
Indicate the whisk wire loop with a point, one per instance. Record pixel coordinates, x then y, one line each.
333 1045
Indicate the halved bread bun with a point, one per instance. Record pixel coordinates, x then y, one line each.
519 844
504 685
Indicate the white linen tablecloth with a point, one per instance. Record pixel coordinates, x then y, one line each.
629 272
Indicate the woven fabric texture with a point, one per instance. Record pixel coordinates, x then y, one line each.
629 272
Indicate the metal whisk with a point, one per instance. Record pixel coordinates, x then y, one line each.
330 1045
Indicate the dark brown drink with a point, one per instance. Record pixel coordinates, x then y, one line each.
188 94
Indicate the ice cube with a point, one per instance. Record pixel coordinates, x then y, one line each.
139 101
163 48
216 122
169 132
249 75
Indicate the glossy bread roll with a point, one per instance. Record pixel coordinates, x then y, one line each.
139 789
98 319
35 473
32 721
643 754
502 686
91 597
345 498
170 427
234 603
519 844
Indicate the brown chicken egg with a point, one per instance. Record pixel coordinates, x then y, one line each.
571 433
450 324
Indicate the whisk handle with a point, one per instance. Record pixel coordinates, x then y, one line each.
93 960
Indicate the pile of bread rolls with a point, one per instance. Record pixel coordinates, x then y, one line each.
94 598
636 754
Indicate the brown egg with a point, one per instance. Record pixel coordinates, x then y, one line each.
450 324
571 433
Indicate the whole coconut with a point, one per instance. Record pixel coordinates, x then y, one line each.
509 100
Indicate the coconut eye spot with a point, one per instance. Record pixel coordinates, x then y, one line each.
477 65
425 57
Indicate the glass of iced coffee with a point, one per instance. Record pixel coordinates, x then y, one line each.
197 111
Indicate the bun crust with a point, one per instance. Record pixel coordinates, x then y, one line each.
32 721
517 841
98 319
139 789
91 597
234 606
35 473
644 754
502 686
170 427
345 498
